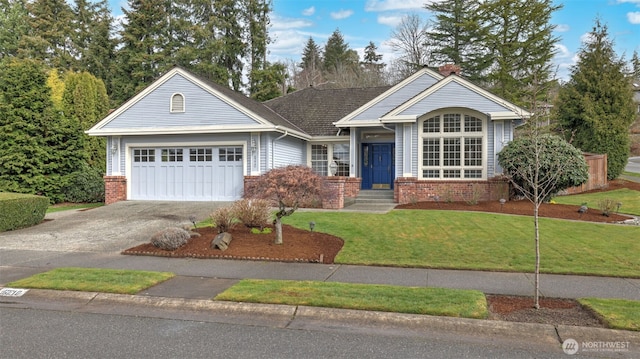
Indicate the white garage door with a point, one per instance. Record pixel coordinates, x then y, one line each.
187 174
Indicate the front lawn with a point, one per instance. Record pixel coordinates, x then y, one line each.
93 280
386 298
617 313
478 241
629 199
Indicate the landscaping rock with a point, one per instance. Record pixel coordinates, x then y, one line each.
221 241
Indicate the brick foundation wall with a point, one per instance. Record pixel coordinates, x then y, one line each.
352 187
333 192
115 189
411 190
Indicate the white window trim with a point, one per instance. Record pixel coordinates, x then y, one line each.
329 154
184 103
461 135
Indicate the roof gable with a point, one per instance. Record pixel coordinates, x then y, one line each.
394 97
208 107
454 91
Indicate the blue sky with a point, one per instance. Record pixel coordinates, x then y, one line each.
361 21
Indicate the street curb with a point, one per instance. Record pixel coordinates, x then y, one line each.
298 316
465 326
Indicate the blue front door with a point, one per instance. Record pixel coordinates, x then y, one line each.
377 165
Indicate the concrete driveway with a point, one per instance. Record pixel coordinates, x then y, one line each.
111 228
633 165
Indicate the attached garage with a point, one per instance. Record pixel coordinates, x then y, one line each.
204 173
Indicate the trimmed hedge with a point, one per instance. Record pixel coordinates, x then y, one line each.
21 210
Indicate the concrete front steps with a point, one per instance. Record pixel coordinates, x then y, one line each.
372 201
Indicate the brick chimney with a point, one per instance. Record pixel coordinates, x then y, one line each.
449 69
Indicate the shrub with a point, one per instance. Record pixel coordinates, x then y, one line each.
85 186
21 210
170 238
253 213
606 205
224 219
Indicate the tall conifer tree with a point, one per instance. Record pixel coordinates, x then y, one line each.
595 108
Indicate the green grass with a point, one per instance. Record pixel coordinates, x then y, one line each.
415 300
70 206
630 200
478 241
632 174
617 313
93 280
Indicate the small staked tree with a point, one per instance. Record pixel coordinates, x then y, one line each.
540 165
288 187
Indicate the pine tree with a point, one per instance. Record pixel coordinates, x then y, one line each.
336 52
595 108
519 36
13 27
93 40
51 24
141 58
457 37
372 74
311 65
257 16
268 83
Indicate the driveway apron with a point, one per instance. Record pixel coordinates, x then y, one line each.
106 229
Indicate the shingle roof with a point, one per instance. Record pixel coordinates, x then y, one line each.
314 110
251 104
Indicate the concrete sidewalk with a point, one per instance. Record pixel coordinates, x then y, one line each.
188 296
204 278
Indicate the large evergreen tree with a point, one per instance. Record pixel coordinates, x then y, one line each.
39 148
50 39
311 65
14 27
457 37
595 108
519 35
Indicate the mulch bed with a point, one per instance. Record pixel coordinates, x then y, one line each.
554 311
298 246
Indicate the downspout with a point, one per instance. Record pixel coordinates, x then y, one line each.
273 146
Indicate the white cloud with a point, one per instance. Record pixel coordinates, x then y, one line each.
391 20
310 11
342 14
586 38
634 17
280 23
562 28
562 52
637 2
387 5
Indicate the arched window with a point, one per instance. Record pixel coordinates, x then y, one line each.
177 103
453 146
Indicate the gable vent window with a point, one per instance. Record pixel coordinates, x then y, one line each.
177 103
